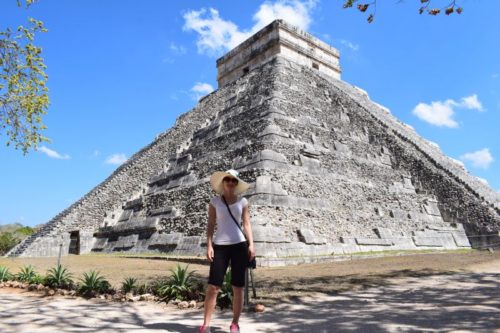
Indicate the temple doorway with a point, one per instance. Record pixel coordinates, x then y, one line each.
74 245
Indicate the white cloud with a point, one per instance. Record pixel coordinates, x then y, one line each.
217 35
352 46
294 12
53 154
471 102
480 159
96 153
177 49
201 89
441 113
116 159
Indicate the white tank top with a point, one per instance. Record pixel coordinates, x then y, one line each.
227 232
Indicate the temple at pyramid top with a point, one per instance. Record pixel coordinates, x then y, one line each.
280 38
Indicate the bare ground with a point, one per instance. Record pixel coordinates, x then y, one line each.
445 292
278 284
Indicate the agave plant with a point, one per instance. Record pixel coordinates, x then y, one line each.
4 274
37 279
143 288
179 284
58 277
129 285
27 274
225 296
93 283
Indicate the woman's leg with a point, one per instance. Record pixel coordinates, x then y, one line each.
218 269
210 301
237 303
239 260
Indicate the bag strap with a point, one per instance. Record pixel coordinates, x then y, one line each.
230 213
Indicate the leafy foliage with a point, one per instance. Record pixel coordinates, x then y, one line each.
27 274
11 235
58 277
37 279
23 92
25 230
4 274
225 296
93 283
129 285
179 284
143 288
7 241
425 7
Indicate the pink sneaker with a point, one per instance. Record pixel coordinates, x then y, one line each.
234 328
204 329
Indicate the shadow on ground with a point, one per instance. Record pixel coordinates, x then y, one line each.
409 302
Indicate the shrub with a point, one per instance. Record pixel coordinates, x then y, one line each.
25 231
58 277
27 274
143 288
129 285
92 284
4 274
178 286
37 279
7 241
225 296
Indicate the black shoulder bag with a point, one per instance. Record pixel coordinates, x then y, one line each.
251 263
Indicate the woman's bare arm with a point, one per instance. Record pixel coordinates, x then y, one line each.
210 232
248 231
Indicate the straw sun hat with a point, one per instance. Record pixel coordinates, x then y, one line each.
218 176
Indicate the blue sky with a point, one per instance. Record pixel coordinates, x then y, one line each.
120 72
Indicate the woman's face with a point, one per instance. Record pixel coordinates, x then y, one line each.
229 183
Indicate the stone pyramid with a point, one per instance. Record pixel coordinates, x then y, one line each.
332 172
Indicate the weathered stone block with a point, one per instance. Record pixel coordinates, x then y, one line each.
373 241
125 215
341 147
269 234
432 208
461 239
126 241
312 164
131 204
165 239
166 211
428 241
383 232
100 243
308 237
189 244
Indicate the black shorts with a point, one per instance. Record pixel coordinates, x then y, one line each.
237 254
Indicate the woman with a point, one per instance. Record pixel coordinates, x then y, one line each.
228 244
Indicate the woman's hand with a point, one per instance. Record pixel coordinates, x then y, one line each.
210 253
251 252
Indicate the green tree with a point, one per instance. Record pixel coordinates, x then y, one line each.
25 231
425 6
24 95
7 241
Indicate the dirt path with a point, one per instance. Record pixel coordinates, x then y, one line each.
458 301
